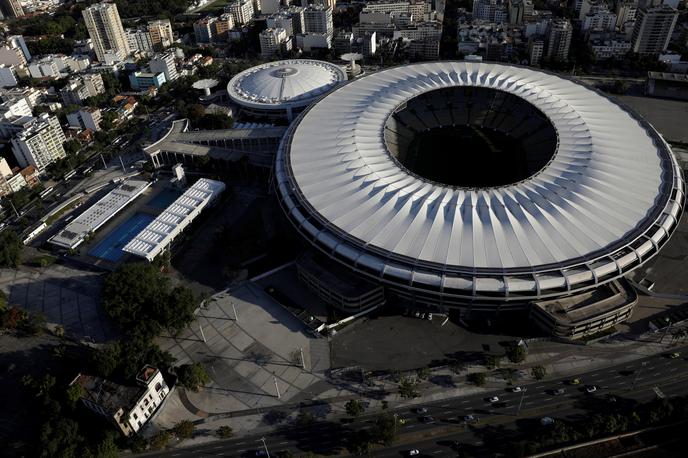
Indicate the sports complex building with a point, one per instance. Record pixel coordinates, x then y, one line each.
483 188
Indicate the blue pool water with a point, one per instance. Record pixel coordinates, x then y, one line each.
110 248
164 198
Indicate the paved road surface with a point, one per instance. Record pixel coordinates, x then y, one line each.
669 375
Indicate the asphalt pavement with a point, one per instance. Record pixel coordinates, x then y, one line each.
637 380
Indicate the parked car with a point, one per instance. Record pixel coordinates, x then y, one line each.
494 399
414 452
421 410
559 391
427 419
516 389
469 418
590 389
545 421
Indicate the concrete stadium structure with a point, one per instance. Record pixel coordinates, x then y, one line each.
480 186
283 88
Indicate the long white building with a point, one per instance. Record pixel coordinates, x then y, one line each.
158 235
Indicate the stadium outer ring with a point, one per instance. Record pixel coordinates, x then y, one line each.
460 285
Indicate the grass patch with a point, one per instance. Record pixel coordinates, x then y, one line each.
41 261
57 215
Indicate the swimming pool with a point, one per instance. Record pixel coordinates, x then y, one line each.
110 248
164 198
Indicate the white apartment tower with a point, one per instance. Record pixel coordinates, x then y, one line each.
39 144
559 36
105 29
161 33
318 19
242 10
271 41
164 62
653 28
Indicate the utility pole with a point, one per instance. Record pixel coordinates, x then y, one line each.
103 159
395 423
666 330
520 403
635 379
124 170
265 446
277 388
14 208
202 335
303 361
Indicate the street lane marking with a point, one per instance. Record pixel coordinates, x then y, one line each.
548 399
445 405
435 452
282 443
539 386
617 376
464 402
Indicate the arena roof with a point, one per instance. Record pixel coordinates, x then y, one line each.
610 195
170 223
283 83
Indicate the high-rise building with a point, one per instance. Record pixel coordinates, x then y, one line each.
39 144
326 3
105 29
272 41
164 62
82 87
14 51
139 40
269 6
281 20
11 8
535 50
161 34
653 29
626 11
490 10
204 29
222 26
241 10
85 118
559 36
318 19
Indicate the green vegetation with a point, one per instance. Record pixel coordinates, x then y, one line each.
610 419
492 361
192 376
10 248
140 299
538 372
408 388
184 429
385 429
516 353
58 214
423 373
41 261
151 8
160 440
477 378
354 408
224 432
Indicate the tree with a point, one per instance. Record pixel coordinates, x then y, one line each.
184 429
192 376
10 248
492 361
160 440
516 353
74 393
354 408
60 437
477 378
384 430
224 432
538 372
360 442
408 388
423 373
107 448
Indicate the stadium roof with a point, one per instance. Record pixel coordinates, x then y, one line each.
608 198
167 225
283 83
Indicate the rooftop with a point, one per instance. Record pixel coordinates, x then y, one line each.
295 82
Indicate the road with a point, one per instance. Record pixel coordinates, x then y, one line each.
634 380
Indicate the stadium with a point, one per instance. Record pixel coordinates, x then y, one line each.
479 186
282 89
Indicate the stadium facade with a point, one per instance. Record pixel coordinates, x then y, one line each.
479 186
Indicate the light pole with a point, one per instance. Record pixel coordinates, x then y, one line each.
277 388
303 361
395 422
520 403
635 380
265 446
236 317
666 330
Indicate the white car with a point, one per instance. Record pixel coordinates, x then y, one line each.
494 399
591 389
516 389
414 452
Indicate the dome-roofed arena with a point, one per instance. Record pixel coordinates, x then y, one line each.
283 88
478 184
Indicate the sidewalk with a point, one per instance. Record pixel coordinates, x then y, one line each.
442 384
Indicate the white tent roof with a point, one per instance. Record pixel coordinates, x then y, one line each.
609 182
283 83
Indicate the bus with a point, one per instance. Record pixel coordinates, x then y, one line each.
46 192
69 175
86 171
